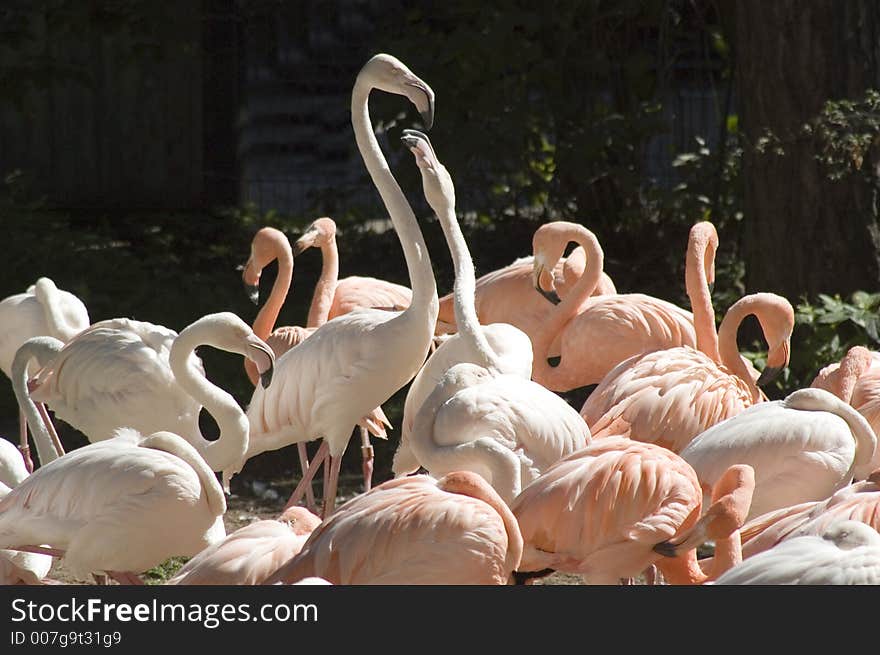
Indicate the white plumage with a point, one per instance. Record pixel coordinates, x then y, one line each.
802 448
847 553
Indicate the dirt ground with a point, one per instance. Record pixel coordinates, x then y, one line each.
252 500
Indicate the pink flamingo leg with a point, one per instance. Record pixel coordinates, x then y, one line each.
304 466
326 482
40 550
56 441
23 446
308 475
330 492
368 456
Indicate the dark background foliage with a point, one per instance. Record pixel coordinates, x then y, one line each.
127 151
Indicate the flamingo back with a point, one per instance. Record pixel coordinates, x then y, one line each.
600 511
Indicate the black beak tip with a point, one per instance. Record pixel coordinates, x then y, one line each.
552 296
266 378
428 117
768 375
665 548
298 248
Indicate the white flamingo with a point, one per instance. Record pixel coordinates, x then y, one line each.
802 448
123 373
125 504
42 310
502 426
355 362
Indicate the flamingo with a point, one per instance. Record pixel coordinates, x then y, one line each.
846 553
414 530
124 504
17 567
722 522
355 362
250 554
503 426
42 310
802 448
599 511
505 295
856 380
670 396
859 501
270 244
124 373
594 334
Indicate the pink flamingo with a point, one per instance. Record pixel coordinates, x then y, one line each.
250 554
856 380
721 522
670 396
414 530
506 296
270 244
600 511
594 334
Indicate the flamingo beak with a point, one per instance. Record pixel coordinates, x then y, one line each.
769 374
537 273
264 358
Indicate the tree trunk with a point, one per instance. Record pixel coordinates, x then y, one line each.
805 234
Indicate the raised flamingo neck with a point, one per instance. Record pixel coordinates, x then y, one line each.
699 262
464 288
418 263
228 451
570 305
325 288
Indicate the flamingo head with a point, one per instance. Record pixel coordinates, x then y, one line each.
777 323
266 246
548 247
322 232
436 181
391 75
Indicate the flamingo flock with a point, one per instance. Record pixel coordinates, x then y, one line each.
496 478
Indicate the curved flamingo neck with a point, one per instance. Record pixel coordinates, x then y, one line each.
230 448
42 349
728 553
325 288
699 261
266 318
683 570
418 263
728 347
570 305
469 484
464 288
